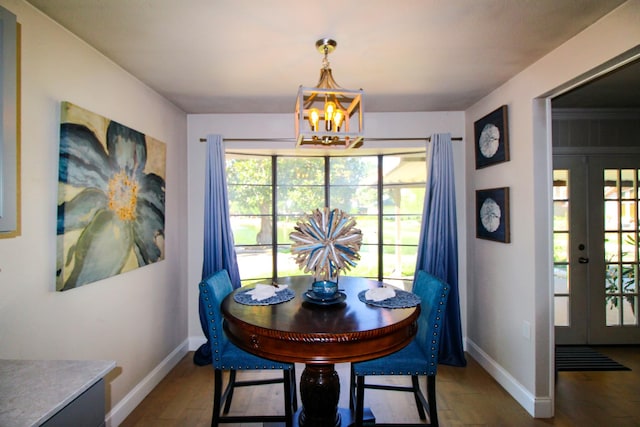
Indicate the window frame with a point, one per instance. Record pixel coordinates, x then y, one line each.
380 187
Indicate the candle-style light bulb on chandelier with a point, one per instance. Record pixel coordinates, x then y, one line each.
327 115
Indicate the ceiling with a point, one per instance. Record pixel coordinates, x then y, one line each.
247 56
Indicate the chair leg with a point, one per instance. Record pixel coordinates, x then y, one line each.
359 400
416 396
294 388
431 396
288 402
217 395
352 389
229 391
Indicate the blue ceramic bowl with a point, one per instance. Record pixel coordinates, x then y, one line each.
324 289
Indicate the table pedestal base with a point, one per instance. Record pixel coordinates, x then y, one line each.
347 419
319 392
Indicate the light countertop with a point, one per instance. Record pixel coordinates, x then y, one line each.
31 391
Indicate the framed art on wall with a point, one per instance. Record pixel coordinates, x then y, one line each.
492 138
111 198
9 125
492 214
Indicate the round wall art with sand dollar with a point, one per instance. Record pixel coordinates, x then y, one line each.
492 214
492 138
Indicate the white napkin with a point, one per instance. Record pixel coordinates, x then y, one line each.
262 292
379 294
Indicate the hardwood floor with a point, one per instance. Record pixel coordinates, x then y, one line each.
466 397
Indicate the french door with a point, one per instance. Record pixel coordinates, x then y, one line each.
596 254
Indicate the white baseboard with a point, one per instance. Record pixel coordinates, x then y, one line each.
538 407
123 408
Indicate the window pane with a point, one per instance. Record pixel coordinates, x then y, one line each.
299 199
255 262
286 262
368 264
249 184
399 262
406 169
251 230
247 199
355 200
353 171
243 169
353 184
401 229
286 224
300 170
403 199
368 225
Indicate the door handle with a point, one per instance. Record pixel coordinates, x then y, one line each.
583 260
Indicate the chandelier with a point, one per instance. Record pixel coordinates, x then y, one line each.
327 115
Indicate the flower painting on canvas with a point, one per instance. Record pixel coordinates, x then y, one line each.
111 198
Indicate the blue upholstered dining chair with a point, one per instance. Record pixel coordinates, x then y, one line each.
420 357
228 357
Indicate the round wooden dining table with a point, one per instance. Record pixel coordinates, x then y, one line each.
320 336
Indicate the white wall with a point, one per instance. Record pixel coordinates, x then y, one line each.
137 318
236 126
509 285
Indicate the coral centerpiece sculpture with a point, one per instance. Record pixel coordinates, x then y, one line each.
326 243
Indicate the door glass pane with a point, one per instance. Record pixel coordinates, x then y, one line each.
629 310
611 215
613 311
561 311
621 249
628 278
561 247
611 247
627 184
611 184
560 184
612 279
628 214
561 215
628 248
561 268
561 279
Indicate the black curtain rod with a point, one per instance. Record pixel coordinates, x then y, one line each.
428 138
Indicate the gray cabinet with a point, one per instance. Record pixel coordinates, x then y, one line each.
53 393
86 410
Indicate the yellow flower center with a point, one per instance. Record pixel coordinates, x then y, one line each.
123 196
